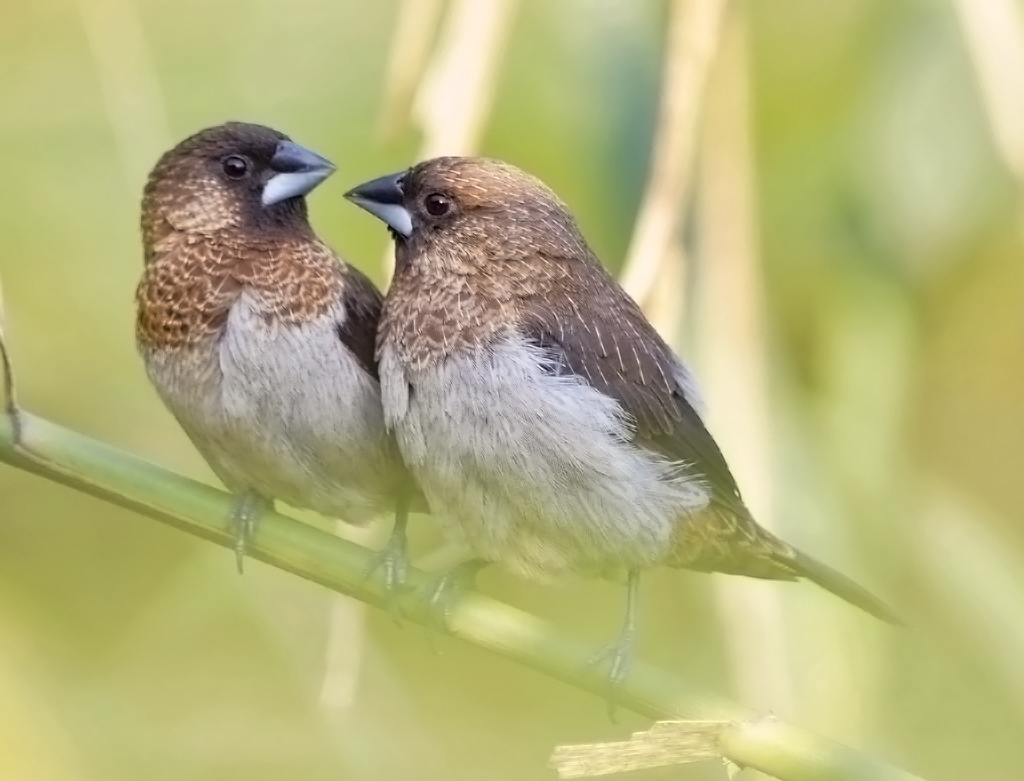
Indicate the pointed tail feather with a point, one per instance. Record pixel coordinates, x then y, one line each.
729 540
842 586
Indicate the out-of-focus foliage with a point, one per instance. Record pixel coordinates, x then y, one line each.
891 243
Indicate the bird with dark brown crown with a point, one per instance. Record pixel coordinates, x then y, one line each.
548 424
260 339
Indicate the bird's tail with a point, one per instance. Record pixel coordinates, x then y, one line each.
843 587
730 541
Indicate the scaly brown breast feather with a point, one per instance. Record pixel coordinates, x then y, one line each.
191 282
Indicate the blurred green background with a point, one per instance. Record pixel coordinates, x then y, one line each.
889 238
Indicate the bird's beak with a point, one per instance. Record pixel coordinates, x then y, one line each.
384 198
297 171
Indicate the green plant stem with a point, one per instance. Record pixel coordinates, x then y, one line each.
84 464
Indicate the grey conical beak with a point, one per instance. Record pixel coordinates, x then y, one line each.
297 171
385 199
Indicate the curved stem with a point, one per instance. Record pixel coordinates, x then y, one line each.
86 465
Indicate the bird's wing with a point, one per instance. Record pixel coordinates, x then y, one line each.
362 313
594 330
591 328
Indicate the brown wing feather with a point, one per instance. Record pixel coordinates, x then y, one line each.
594 330
362 314
600 334
597 332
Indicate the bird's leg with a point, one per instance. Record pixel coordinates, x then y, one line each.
245 515
450 587
393 559
620 653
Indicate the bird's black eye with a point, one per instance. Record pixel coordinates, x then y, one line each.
437 204
235 167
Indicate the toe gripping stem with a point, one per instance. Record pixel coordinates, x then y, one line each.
393 560
245 516
619 654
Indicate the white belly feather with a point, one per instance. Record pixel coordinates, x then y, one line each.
532 469
284 410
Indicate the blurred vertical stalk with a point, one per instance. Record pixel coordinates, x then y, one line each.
994 33
731 355
455 95
450 98
453 91
706 53
693 33
128 82
410 47
346 640
978 572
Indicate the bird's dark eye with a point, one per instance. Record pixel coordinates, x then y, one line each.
235 167
437 204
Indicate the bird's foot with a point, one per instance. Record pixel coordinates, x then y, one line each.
447 592
393 562
619 656
244 517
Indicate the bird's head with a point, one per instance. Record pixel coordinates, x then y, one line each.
233 176
461 213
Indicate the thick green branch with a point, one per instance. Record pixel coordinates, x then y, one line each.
69 458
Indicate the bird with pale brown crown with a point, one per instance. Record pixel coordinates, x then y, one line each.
548 424
260 339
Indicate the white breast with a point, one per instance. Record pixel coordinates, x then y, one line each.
535 470
283 409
